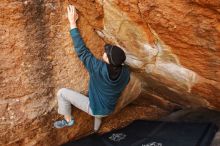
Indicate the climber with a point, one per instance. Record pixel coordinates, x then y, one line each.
108 78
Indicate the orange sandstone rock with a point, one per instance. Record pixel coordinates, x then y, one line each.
172 47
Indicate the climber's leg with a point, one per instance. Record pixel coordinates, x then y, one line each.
64 108
97 119
66 97
97 123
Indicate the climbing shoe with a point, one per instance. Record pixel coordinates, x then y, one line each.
63 123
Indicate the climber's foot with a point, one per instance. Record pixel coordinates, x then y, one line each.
63 123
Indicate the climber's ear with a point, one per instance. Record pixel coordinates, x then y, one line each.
105 58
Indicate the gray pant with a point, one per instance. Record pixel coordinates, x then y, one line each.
66 97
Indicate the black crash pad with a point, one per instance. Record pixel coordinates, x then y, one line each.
153 133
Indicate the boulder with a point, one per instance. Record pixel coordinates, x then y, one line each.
172 48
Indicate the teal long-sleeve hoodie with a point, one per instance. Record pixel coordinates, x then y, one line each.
103 92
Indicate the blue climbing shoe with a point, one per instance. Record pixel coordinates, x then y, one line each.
63 123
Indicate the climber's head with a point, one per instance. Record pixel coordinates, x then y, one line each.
113 55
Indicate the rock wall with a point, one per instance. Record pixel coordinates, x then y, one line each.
172 47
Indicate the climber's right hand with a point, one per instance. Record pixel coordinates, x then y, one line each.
72 16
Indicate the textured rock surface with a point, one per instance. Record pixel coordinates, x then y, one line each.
173 47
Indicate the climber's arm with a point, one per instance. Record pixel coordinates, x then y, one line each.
88 59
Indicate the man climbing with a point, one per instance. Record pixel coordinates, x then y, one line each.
108 78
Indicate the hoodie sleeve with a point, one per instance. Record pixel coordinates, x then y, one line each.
91 63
